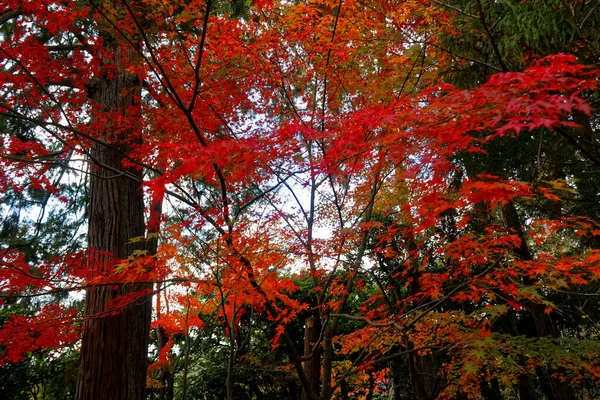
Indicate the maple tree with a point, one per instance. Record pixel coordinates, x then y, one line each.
295 178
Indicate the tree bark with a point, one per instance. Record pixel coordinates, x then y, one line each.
115 342
423 374
312 367
422 368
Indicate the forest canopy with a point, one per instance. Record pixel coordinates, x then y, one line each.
308 199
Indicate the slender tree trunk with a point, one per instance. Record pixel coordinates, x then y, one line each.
492 390
171 383
166 376
312 367
115 342
164 371
371 388
230 364
526 388
186 355
422 368
399 373
525 384
293 390
344 392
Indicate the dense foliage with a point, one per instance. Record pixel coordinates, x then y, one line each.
320 199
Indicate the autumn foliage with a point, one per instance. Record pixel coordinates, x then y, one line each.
308 159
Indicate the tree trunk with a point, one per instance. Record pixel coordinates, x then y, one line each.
115 342
526 388
312 367
423 374
543 321
344 391
400 378
422 368
492 390
230 364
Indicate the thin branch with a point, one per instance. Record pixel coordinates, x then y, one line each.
447 296
588 15
355 370
368 321
578 145
490 36
8 15
200 54
162 76
466 58
69 47
439 3
93 285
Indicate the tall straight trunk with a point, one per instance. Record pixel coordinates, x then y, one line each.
230 365
115 342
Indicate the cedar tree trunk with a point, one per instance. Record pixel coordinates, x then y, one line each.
115 341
